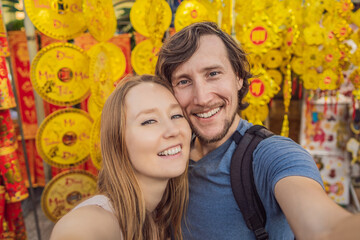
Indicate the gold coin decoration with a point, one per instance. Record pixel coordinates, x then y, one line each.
63 138
311 79
141 10
60 74
65 191
190 11
100 18
329 80
59 19
93 108
95 149
101 74
144 57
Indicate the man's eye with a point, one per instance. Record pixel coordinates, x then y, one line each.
212 74
177 116
147 122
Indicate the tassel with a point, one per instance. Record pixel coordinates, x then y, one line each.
285 127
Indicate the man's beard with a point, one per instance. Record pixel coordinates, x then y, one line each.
219 136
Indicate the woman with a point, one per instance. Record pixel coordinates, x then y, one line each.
145 144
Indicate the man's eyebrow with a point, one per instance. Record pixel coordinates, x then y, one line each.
205 69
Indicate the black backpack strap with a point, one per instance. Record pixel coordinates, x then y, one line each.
242 179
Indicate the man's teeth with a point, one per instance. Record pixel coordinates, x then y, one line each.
208 114
171 151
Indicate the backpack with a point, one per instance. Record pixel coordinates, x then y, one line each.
242 179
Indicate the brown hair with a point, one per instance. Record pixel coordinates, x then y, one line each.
118 182
180 47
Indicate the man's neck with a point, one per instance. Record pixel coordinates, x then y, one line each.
200 149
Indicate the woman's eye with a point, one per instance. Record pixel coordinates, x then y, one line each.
183 82
177 116
147 122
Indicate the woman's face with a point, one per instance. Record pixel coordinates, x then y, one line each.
156 133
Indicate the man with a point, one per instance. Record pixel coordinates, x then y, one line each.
209 74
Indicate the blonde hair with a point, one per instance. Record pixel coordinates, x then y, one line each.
118 182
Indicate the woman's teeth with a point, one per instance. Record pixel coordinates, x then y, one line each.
171 151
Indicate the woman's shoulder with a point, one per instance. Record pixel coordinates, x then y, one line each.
88 222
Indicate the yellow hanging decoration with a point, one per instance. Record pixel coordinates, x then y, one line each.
156 19
144 57
227 16
331 56
100 18
144 16
287 88
314 34
192 11
59 19
275 75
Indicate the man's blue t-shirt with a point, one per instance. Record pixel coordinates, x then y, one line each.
213 213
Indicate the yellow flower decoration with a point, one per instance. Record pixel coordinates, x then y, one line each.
355 57
311 79
273 59
331 56
262 88
355 17
312 57
344 7
314 35
297 65
256 114
355 78
329 80
342 30
255 60
259 35
299 46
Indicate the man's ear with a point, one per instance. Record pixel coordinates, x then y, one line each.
239 83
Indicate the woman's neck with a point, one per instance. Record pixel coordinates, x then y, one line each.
153 192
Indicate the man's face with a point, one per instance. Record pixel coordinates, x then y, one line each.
206 87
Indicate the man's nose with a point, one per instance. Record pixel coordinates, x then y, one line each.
202 95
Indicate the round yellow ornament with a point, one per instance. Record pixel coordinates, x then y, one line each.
144 57
329 80
311 79
60 74
59 19
93 108
260 35
100 18
297 65
144 16
107 65
192 11
95 149
273 59
63 138
65 191
275 75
